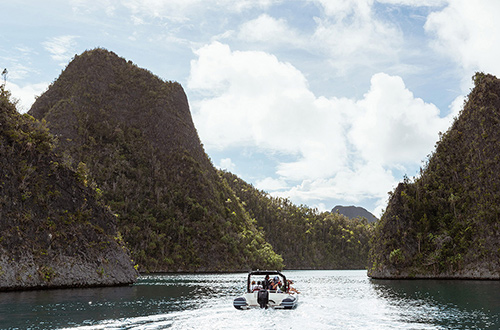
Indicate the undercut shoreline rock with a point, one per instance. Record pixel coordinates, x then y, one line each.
28 273
473 274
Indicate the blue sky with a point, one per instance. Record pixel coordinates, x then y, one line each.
323 102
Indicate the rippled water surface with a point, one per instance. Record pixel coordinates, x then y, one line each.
329 300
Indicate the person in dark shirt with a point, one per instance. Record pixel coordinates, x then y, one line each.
266 283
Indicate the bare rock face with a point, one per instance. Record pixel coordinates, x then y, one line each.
446 223
54 231
31 272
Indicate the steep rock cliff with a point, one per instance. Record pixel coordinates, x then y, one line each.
446 224
136 136
54 231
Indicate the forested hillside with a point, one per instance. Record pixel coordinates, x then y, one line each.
133 134
304 237
447 222
54 229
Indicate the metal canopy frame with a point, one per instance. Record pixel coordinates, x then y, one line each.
266 272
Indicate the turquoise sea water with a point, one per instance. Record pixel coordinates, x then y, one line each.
328 300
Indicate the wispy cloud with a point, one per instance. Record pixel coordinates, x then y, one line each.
267 29
61 48
352 35
187 10
416 3
466 31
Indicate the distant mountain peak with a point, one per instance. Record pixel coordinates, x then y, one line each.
353 212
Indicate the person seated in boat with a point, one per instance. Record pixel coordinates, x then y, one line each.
252 286
266 284
281 287
275 284
290 288
257 287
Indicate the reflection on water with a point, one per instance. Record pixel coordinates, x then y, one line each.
329 300
446 304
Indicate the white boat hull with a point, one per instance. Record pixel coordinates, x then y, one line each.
275 300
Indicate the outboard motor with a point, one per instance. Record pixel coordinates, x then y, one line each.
263 298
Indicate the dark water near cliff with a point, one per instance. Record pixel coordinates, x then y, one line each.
329 300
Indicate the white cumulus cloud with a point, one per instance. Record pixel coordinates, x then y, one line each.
342 148
26 94
227 164
394 127
256 98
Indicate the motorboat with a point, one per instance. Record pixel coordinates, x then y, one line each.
281 296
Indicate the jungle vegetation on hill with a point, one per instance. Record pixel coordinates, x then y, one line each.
305 238
446 223
133 134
